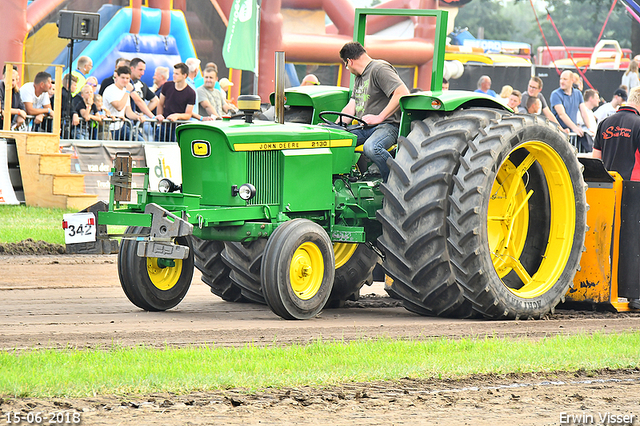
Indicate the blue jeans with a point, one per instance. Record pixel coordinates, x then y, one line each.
166 132
122 134
377 140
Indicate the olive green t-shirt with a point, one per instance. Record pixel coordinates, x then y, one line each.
374 88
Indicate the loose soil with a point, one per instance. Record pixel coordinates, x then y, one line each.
60 300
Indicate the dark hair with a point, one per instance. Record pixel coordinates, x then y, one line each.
590 93
538 80
123 70
4 68
211 69
532 100
517 93
184 69
121 59
351 50
135 61
40 77
65 79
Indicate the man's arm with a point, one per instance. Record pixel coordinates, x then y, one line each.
392 106
142 106
350 108
128 112
228 106
182 116
587 118
153 103
596 153
31 110
160 108
547 113
119 104
562 114
209 108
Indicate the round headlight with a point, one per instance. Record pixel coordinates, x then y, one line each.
166 185
247 191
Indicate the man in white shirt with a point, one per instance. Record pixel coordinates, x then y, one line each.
35 97
591 100
608 109
116 101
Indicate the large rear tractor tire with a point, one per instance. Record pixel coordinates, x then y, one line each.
245 260
416 205
354 268
298 269
215 274
150 283
518 218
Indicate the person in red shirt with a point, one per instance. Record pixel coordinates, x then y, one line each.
617 143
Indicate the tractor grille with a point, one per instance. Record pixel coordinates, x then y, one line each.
263 170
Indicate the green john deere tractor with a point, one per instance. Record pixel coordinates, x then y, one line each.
483 214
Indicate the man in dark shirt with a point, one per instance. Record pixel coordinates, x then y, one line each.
617 143
618 139
141 94
375 100
176 103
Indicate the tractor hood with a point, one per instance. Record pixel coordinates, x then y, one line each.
264 135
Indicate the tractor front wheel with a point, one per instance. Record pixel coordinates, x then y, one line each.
150 283
298 269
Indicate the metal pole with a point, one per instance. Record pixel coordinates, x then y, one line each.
68 106
279 101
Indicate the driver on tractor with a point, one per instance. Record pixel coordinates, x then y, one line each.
375 100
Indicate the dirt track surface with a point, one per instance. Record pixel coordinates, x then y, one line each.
56 301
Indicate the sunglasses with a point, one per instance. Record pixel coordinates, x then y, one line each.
91 84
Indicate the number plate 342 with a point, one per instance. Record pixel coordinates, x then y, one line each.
79 227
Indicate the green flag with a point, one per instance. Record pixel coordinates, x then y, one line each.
240 49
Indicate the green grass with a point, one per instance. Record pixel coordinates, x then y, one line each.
18 223
78 373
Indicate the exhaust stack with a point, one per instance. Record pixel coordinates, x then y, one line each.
279 95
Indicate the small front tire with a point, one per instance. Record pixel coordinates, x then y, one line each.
151 283
298 269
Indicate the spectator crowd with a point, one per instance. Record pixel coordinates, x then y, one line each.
577 111
122 106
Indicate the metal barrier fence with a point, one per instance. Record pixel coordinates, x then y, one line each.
108 129
583 146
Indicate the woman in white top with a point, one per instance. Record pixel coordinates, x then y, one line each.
505 93
631 78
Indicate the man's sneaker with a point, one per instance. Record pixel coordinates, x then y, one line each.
634 303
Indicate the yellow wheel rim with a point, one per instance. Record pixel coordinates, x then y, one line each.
343 252
164 278
508 219
306 271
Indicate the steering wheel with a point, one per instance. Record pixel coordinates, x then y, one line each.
343 124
